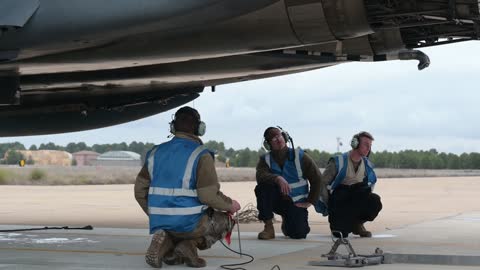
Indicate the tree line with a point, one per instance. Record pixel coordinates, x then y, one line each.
406 159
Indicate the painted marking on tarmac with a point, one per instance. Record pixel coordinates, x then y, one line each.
75 251
35 239
474 219
17 238
99 252
383 236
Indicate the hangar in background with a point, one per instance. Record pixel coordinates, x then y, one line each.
85 158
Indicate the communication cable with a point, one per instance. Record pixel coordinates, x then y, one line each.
234 266
88 227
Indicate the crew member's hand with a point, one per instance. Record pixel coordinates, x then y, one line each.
303 205
284 187
235 207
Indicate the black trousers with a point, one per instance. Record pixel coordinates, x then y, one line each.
350 206
270 200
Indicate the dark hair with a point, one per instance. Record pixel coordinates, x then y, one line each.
267 131
366 135
187 119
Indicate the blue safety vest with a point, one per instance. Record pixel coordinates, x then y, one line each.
292 172
173 203
341 164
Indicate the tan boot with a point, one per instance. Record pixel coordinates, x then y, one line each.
361 231
187 250
161 244
268 231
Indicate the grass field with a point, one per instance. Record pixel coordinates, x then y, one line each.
102 175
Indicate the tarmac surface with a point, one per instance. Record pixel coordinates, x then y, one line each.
442 232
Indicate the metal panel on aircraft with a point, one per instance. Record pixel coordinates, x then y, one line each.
16 13
308 21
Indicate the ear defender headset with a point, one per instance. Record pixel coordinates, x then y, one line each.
355 142
200 128
285 136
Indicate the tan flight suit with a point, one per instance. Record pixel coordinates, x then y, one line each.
211 227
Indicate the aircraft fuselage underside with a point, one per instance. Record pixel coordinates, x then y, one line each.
86 57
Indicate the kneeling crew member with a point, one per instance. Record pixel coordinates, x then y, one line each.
178 189
282 187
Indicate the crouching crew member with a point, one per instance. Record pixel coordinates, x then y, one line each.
179 191
351 176
283 178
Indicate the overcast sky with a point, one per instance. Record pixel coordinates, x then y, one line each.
402 107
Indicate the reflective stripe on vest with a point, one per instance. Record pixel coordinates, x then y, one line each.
151 156
371 176
341 164
298 186
176 211
299 197
172 192
188 169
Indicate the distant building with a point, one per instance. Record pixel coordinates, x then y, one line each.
85 158
118 158
48 157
